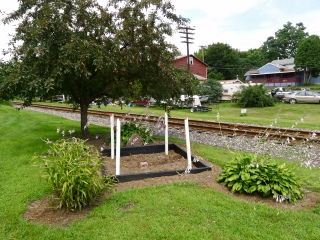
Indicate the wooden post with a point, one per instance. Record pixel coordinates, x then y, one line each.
118 148
166 133
186 124
112 135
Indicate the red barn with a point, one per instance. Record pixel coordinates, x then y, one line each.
197 67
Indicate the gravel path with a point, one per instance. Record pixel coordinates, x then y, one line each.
307 154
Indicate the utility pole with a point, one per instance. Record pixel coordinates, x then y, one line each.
202 47
186 32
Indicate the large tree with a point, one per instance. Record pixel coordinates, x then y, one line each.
285 42
84 50
221 58
308 57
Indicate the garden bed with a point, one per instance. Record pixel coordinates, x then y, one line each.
137 163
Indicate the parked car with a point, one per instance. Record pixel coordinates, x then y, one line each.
302 97
204 98
279 92
154 102
141 102
58 98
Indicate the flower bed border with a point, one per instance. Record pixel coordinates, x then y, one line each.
197 166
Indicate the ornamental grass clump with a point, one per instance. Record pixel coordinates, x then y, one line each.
73 170
251 173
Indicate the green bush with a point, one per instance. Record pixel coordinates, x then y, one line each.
253 96
213 88
73 169
131 127
250 173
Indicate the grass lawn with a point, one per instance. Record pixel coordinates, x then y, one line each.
170 211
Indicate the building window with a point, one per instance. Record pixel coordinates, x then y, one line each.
190 60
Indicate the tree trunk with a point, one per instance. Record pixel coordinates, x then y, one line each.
307 77
84 119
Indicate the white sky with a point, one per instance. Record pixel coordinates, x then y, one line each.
242 24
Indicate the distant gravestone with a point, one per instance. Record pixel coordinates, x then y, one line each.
135 141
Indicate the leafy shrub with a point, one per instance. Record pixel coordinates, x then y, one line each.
131 127
249 173
213 88
73 169
253 96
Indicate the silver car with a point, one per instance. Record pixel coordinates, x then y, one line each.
302 97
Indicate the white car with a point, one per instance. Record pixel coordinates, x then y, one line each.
58 98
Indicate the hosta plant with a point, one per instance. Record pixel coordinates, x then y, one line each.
251 173
73 169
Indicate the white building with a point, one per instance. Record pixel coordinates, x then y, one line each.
232 86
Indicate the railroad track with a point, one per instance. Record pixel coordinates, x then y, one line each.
229 129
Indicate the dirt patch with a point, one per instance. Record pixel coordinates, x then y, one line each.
44 211
155 162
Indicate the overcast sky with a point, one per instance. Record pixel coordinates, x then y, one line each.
242 24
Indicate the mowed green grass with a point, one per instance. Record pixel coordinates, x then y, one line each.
170 211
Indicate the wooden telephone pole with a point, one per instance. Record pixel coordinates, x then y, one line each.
202 47
187 33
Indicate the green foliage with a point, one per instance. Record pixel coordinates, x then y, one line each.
8 83
253 96
308 57
285 42
131 127
221 58
73 169
250 173
214 74
85 50
253 58
213 88
184 82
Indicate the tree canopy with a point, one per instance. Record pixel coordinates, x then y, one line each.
308 57
86 51
285 42
221 58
